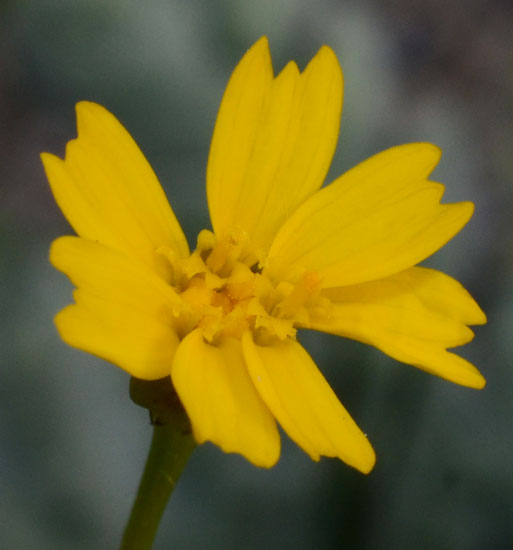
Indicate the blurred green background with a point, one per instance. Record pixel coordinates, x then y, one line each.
72 445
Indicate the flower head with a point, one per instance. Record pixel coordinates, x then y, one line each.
283 254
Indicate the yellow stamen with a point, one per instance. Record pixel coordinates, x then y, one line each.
302 292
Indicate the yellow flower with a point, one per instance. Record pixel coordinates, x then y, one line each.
283 254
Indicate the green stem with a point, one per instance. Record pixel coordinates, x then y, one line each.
171 447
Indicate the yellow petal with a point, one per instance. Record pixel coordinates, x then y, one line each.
273 142
304 404
108 191
221 401
141 346
124 312
413 316
378 219
104 271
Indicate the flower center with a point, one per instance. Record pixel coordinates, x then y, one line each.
225 292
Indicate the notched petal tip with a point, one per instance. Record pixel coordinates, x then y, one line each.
64 326
94 117
259 49
261 461
51 164
461 211
480 383
290 70
430 152
262 42
480 316
47 159
84 107
422 154
435 150
368 461
325 68
363 459
326 57
473 379
60 249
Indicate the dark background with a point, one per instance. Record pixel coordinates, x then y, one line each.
72 445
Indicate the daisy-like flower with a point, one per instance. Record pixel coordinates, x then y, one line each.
283 254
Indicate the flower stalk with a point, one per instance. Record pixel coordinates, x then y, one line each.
171 447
